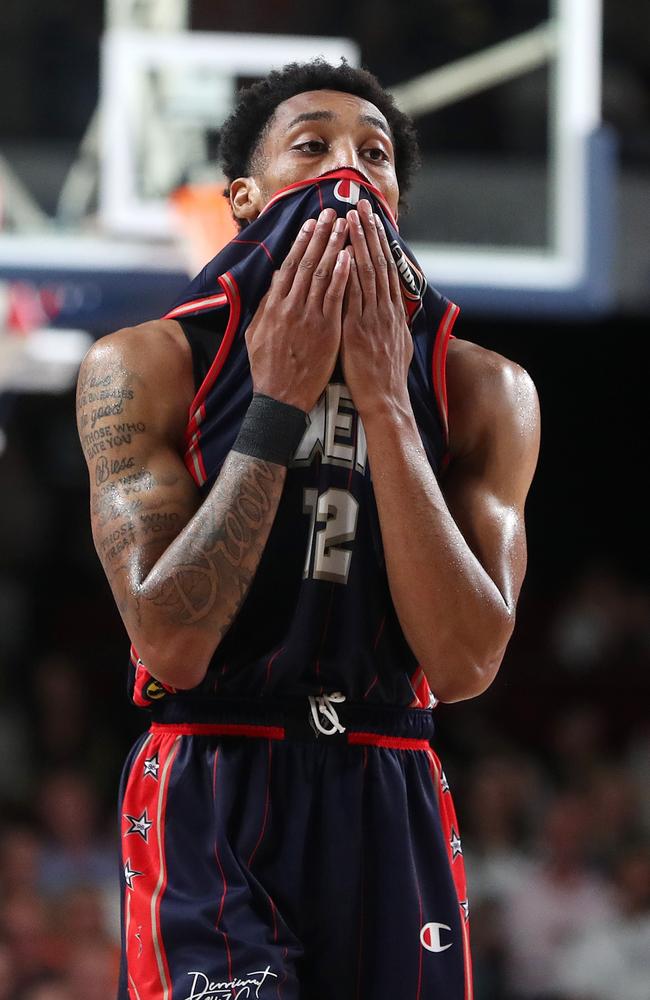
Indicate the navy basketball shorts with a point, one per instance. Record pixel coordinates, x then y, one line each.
303 852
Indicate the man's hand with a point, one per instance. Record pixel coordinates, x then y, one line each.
295 336
376 345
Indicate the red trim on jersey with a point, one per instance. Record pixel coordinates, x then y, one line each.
345 174
449 822
422 692
371 686
142 680
218 729
270 663
231 289
256 243
197 305
439 363
145 855
193 457
388 742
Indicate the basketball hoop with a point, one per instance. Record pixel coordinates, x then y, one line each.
204 222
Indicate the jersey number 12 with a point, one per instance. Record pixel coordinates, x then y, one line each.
339 510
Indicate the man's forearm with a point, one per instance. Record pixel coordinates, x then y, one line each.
191 595
452 613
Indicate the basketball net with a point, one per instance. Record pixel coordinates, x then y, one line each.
204 222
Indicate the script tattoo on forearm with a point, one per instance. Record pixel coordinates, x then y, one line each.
219 566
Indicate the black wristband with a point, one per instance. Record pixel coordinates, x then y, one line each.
271 430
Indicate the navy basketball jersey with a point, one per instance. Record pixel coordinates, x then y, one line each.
319 615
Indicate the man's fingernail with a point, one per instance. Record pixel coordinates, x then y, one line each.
353 216
309 226
339 225
326 215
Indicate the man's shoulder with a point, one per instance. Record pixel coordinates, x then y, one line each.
483 370
485 388
149 364
153 345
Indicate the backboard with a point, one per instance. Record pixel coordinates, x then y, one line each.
163 95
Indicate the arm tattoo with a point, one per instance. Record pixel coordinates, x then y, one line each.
217 562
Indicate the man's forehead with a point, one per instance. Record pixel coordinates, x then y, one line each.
326 104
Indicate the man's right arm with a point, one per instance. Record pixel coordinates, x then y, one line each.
180 568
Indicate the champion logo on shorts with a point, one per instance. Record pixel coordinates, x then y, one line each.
204 988
431 937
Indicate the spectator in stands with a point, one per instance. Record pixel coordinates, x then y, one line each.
559 901
611 961
77 851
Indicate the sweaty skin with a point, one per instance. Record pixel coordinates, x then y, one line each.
455 549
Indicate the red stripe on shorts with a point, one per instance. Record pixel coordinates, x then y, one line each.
457 864
145 868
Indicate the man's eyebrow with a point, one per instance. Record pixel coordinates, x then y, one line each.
375 122
312 116
328 116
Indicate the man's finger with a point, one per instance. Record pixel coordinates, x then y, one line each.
283 278
335 291
323 272
311 258
365 266
353 303
391 267
380 261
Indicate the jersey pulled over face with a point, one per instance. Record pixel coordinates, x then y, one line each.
316 132
319 614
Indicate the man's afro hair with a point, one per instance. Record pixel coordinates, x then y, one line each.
244 129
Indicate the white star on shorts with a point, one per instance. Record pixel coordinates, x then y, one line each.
129 873
151 766
455 844
141 824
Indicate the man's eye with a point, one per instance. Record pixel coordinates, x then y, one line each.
376 153
311 146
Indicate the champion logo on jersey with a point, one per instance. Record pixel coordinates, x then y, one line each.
431 937
347 191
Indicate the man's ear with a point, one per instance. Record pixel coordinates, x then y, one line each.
245 199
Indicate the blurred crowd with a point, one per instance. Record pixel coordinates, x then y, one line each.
550 768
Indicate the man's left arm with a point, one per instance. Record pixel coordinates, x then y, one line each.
455 553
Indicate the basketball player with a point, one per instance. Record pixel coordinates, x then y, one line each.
309 502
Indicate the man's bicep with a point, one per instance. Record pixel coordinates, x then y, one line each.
140 491
139 510
487 485
493 529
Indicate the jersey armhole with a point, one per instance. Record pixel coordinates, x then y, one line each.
444 334
193 453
